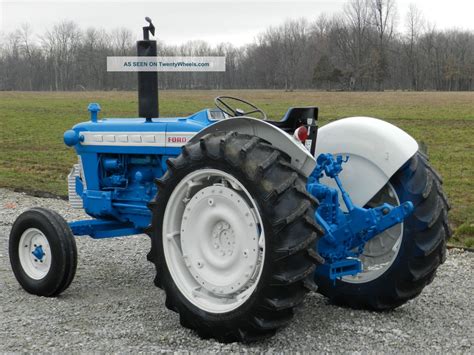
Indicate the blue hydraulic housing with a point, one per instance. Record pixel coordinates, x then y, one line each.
346 233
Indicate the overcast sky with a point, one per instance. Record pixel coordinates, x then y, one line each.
234 21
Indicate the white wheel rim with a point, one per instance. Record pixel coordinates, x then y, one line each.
213 240
381 251
34 253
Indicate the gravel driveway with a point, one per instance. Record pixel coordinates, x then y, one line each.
112 305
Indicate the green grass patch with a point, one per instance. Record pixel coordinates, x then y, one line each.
464 235
34 158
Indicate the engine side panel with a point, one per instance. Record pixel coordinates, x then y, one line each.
120 158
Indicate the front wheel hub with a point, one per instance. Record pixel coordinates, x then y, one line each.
34 253
220 240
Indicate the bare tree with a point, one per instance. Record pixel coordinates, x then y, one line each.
293 45
414 23
357 49
122 42
61 44
357 17
383 20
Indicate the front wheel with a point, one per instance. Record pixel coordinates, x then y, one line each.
42 252
400 262
232 237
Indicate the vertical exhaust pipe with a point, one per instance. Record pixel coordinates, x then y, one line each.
147 81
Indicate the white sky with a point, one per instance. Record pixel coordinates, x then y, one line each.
233 21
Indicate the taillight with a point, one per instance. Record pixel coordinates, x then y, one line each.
301 134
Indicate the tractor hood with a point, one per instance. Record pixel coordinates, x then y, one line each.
137 132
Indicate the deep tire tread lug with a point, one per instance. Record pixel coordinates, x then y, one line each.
249 146
266 324
272 158
298 212
279 304
289 277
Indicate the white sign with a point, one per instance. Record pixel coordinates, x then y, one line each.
172 64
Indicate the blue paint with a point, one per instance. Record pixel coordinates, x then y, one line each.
340 268
99 229
346 233
94 109
120 178
71 138
38 253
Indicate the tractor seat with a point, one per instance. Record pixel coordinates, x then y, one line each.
295 117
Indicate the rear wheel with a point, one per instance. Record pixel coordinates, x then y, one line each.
400 262
232 237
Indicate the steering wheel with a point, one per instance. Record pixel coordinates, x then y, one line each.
229 109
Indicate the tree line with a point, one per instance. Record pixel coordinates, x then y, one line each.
357 49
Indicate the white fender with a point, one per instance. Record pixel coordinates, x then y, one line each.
301 158
376 150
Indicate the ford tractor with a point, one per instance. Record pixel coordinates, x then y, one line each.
246 214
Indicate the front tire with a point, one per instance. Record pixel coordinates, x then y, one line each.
417 253
43 252
232 237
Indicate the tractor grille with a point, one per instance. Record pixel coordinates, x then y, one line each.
74 199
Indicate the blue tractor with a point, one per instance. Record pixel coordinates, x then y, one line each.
246 214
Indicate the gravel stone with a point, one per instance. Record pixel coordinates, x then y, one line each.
113 306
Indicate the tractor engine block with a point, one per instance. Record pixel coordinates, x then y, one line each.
125 186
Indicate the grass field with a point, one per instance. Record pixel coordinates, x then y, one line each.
34 158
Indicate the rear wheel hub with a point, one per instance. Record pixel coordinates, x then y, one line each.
219 238
214 242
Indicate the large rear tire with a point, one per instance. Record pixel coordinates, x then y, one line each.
228 204
412 259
